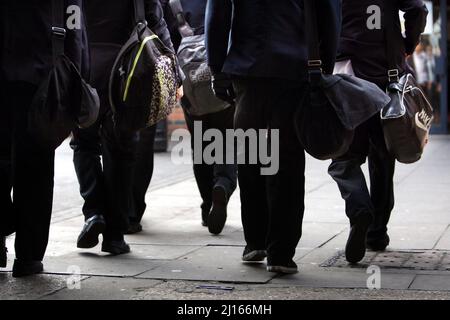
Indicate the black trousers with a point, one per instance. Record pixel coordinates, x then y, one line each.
27 168
346 171
104 161
209 176
272 206
143 173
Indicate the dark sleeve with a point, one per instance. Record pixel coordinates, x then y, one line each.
217 31
172 24
415 21
156 22
329 20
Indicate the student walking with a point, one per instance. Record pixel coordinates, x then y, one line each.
107 187
362 51
26 165
216 182
257 52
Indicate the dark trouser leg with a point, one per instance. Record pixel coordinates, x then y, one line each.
225 175
204 173
381 168
285 189
347 173
118 163
143 172
88 167
33 172
7 226
251 114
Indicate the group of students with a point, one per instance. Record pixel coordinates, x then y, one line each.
257 53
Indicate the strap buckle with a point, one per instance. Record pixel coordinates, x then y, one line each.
393 75
59 32
315 64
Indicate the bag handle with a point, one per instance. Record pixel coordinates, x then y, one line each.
392 45
314 61
183 26
58 29
139 12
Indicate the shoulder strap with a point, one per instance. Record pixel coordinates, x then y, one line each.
58 28
139 11
183 26
392 46
312 32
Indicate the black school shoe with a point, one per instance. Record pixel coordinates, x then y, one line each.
115 247
218 215
289 267
26 268
92 228
379 244
133 228
253 255
355 250
3 252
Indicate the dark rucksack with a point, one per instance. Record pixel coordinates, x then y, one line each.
144 79
64 100
193 61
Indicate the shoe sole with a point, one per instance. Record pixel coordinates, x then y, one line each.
218 216
89 239
255 256
115 251
281 269
19 272
355 249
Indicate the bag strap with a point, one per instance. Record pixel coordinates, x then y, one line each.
139 12
183 26
58 29
392 45
314 61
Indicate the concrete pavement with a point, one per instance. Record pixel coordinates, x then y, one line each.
175 257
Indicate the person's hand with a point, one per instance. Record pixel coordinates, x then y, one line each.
180 93
223 87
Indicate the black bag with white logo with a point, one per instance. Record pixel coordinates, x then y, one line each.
407 119
64 101
192 59
333 106
144 79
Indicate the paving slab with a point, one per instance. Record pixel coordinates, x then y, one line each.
30 288
431 283
417 237
211 264
444 242
334 279
91 264
104 288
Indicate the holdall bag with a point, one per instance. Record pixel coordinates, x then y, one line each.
407 120
64 101
144 79
193 61
333 106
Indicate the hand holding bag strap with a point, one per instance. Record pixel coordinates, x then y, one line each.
392 45
183 26
58 29
314 60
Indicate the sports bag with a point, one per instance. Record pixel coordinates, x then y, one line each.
192 60
64 101
407 120
333 106
144 79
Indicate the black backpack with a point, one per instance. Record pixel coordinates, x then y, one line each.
64 101
193 61
144 79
